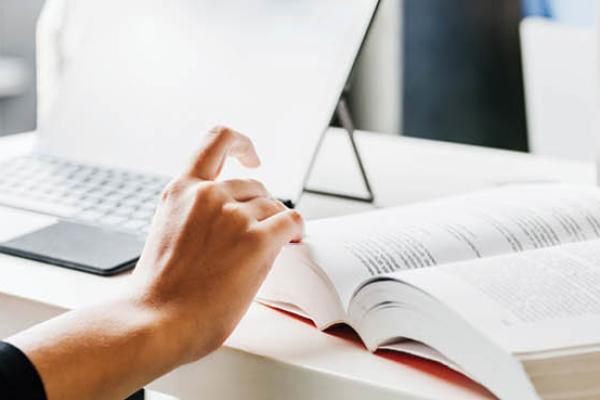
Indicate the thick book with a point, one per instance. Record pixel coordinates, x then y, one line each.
502 285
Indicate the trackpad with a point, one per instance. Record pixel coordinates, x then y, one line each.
78 246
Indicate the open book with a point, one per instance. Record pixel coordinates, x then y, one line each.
502 285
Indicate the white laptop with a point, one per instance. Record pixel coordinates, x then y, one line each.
147 82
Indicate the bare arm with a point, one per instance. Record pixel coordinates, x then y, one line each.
210 247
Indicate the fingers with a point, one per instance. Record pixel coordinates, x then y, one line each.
284 227
275 220
245 189
263 208
221 143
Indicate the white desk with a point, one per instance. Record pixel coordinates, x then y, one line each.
271 356
158 396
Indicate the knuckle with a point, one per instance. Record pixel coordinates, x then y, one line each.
295 217
202 190
234 212
173 189
257 238
230 210
275 207
208 192
259 185
254 182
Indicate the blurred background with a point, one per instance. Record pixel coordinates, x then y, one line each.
514 74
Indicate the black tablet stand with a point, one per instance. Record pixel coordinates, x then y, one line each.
345 119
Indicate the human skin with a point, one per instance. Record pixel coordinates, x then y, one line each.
210 247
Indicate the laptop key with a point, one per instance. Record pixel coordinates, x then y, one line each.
74 191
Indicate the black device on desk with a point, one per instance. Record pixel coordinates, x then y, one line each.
140 395
103 214
78 246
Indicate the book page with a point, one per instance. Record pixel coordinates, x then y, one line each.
536 301
353 249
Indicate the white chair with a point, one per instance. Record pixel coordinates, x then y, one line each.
561 84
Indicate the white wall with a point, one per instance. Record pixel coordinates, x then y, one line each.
17 33
561 88
377 86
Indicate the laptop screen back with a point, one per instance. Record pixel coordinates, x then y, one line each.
151 77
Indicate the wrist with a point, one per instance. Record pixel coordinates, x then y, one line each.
171 329
141 341
158 332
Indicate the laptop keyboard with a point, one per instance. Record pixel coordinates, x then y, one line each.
49 185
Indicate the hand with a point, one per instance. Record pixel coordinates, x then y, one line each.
209 249
211 246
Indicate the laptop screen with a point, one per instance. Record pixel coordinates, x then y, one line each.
148 78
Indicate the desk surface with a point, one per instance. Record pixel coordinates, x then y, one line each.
158 396
274 356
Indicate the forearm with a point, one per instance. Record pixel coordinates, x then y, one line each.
208 240
103 352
